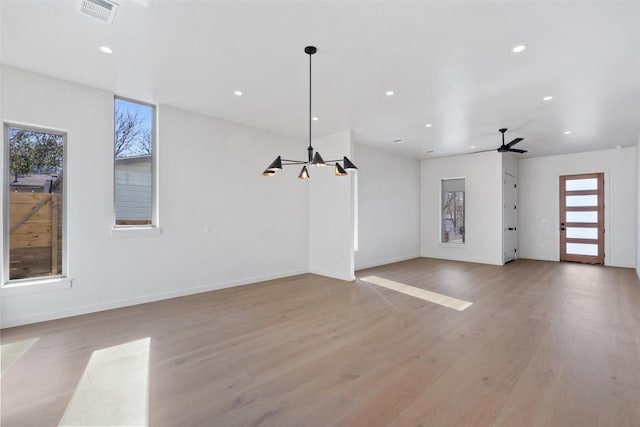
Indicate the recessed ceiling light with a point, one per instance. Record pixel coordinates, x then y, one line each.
398 141
106 49
389 93
547 98
428 125
237 93
519 48
472 146
315 119
567 132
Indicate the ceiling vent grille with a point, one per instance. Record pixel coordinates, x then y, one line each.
103 10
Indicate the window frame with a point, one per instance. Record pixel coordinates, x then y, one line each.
52 281
441 218
126 229
356 208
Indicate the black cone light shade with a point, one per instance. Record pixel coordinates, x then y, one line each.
348 164
313 159
318 160
339 171
274 167
304 173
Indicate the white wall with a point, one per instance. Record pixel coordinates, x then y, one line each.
388 207
331 211
209 175
539 203
483 207
638 206
510 164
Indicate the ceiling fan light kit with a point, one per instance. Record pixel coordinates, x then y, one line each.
313 158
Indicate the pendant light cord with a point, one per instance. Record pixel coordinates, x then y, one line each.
310 149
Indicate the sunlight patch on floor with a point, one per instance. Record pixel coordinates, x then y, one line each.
114 388
423 294
10 353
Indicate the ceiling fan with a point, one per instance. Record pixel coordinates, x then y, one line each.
505 148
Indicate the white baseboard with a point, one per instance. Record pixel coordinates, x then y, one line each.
92 308
620 265
386 261
464 259
346 279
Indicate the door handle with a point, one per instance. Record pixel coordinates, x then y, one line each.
510 229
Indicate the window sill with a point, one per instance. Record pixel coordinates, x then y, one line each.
453 245
28 286
132 231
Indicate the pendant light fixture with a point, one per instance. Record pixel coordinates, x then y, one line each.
313 159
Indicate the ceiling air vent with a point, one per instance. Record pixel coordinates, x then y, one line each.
103 10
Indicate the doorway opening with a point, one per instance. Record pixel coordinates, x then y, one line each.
510 218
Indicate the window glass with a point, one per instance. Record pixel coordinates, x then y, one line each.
582 216
582 249
35 203
581 184
453 210
589 200
133 152
582 232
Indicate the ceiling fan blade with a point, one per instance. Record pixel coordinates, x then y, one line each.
514 142
515 150
482 151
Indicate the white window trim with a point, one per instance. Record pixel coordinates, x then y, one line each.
140 229
453 245
32 284
356 206
35 285
135 231
450 244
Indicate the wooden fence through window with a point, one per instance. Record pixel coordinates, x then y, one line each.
36 234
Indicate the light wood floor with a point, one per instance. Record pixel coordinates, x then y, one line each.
544 344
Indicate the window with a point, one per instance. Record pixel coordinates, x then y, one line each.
134 136
453 210
356 226
34 203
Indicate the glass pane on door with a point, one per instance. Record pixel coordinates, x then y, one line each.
582 233
582 184
582 216
582 249
590 200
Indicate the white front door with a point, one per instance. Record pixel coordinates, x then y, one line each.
510 218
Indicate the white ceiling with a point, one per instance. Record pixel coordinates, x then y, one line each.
449 64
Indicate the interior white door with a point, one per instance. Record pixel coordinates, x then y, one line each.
510 218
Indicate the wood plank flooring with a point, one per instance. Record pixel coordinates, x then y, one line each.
544 344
